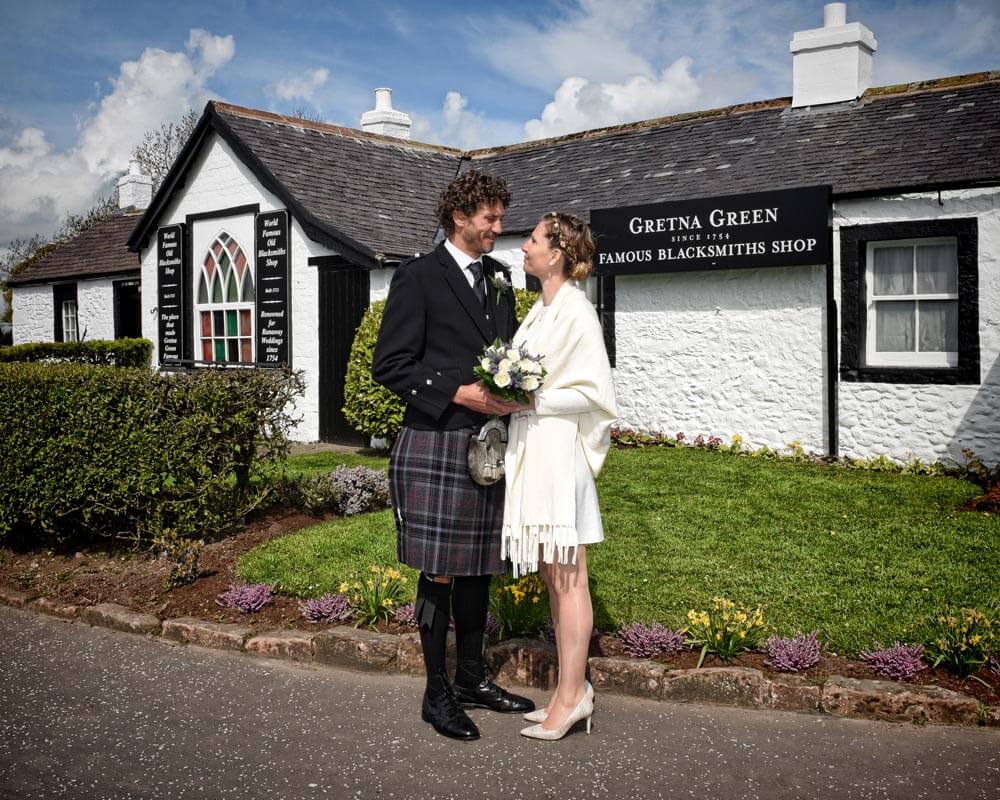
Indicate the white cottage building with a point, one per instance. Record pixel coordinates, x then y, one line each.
823 268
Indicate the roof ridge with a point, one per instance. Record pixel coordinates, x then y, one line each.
328 127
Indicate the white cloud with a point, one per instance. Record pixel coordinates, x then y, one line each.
580 104
301 86
455 125
39 186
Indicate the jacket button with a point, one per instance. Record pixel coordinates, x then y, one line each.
429 382
413 391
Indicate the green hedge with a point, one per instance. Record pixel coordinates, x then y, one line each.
369 406
112 352
97 450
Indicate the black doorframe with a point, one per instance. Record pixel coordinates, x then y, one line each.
344 290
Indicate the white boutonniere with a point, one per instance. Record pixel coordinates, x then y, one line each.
500 282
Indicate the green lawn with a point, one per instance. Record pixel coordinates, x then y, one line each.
860 556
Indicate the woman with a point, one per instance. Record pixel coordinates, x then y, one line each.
555 450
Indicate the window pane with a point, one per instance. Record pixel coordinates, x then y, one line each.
231 329
206 349
241 262
234 349
894 324
893 270
246 351
202 289
939 326
206 323
218 328
224 265
232 291
245 322
937 268
248 293
216 289
220 349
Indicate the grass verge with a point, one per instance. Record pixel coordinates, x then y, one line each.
860 556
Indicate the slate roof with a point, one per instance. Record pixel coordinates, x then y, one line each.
99 251
932 135
380 191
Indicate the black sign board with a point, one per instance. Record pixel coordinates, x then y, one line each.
170 291
783 228
273 334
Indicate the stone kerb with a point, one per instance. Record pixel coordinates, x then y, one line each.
531 662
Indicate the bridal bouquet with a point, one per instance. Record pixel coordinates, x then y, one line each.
510 372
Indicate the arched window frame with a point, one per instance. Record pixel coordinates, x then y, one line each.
225 303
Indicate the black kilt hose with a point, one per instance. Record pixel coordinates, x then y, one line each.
434 328
446 524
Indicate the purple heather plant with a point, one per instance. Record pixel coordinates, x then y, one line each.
792 654
246 597
643 641
328 608
899 662
360 489
492 625
404 615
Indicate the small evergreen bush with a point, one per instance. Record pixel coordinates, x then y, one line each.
369 406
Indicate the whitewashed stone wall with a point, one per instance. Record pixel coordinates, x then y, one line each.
32 313
936 421
95 309
724 352
220 180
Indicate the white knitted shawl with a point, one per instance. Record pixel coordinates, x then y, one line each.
540 501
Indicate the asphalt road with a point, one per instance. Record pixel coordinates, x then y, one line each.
91 713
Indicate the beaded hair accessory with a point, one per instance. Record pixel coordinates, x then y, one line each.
556 232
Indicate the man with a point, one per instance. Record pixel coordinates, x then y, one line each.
443 308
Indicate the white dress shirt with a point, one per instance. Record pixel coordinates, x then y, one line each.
463 260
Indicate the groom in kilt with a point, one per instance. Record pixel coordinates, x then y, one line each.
443 309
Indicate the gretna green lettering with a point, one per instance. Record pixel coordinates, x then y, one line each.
718 218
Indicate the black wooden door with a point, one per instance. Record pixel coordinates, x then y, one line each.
343 299
127 309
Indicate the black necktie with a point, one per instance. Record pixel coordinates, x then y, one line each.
478 283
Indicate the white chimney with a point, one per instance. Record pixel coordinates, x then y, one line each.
135 190
833 63
384 119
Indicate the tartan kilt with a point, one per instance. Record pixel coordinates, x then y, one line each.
446 524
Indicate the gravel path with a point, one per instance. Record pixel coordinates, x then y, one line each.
91 713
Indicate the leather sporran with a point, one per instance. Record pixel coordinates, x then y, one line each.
486 452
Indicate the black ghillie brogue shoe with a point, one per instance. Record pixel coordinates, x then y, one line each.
475 689
442 710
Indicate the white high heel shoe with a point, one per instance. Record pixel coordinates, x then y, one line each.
539 714
583 710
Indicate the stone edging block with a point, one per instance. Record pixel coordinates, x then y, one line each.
217 635
15 598
897 702
356 648
55 608
294 645
112 615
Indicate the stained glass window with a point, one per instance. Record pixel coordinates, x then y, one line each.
226 297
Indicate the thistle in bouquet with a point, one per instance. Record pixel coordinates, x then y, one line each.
510 372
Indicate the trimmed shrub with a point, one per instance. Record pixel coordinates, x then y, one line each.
369 406
111 352
110 451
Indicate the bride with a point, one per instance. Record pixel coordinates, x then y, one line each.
556 449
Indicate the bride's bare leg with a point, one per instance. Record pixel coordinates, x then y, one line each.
573 617
545 570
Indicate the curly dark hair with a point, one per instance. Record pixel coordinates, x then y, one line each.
467 193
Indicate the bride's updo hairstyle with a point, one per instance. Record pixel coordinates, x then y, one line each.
571 235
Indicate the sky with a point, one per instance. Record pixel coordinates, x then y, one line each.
80 82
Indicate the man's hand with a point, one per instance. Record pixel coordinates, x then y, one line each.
475 397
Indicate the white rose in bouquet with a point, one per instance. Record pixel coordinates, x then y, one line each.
530 383
485 363
502 379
